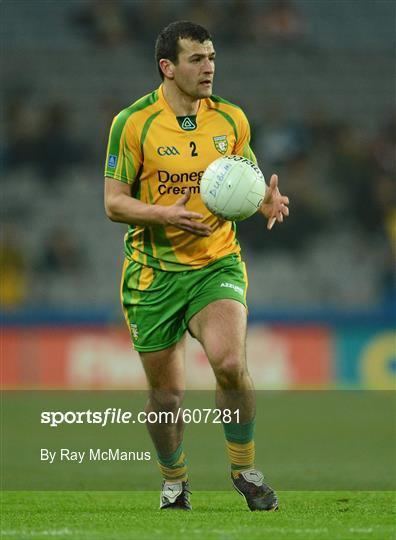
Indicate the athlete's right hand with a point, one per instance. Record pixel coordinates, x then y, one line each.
178 216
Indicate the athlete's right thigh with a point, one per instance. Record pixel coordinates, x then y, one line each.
154 305
165 369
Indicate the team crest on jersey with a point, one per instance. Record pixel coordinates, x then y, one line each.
112 162
221 143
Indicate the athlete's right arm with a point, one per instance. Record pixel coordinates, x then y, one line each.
122 207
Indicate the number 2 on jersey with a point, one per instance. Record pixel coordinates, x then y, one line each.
193 147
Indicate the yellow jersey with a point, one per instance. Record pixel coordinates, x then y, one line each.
162 156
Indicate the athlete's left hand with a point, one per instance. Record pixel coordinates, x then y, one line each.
275 205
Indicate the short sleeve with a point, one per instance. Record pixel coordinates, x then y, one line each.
123 157
242 145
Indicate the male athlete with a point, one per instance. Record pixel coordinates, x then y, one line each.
183 269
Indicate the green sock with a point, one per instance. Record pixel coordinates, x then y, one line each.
173 467
240 446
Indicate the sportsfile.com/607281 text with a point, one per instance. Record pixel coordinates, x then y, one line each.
114 415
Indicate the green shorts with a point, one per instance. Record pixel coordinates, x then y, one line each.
158 305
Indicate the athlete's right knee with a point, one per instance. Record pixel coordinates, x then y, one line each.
165 400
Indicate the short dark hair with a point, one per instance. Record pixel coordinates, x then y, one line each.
167 44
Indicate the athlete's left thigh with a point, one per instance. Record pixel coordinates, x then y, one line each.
221 329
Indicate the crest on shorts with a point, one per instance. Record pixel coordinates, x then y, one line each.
134 331
221 143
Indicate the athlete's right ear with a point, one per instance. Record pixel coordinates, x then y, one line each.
167 68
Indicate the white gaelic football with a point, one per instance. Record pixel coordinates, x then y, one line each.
233 188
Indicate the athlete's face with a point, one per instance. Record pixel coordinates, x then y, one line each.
194 71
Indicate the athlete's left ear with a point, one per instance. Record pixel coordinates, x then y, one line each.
167 68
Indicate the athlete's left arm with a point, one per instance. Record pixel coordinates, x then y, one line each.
275 205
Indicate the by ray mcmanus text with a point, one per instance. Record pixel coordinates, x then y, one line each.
93 454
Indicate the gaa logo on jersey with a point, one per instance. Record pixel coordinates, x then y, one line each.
112 161
168 151
221 143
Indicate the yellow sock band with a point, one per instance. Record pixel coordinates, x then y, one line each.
174 467
241 455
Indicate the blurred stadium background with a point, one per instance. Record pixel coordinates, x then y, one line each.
317 81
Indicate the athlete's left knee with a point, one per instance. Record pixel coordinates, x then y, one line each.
230 372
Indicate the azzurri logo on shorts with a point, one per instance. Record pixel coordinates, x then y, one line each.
112 161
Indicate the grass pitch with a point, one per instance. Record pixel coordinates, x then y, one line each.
334 441
304 515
